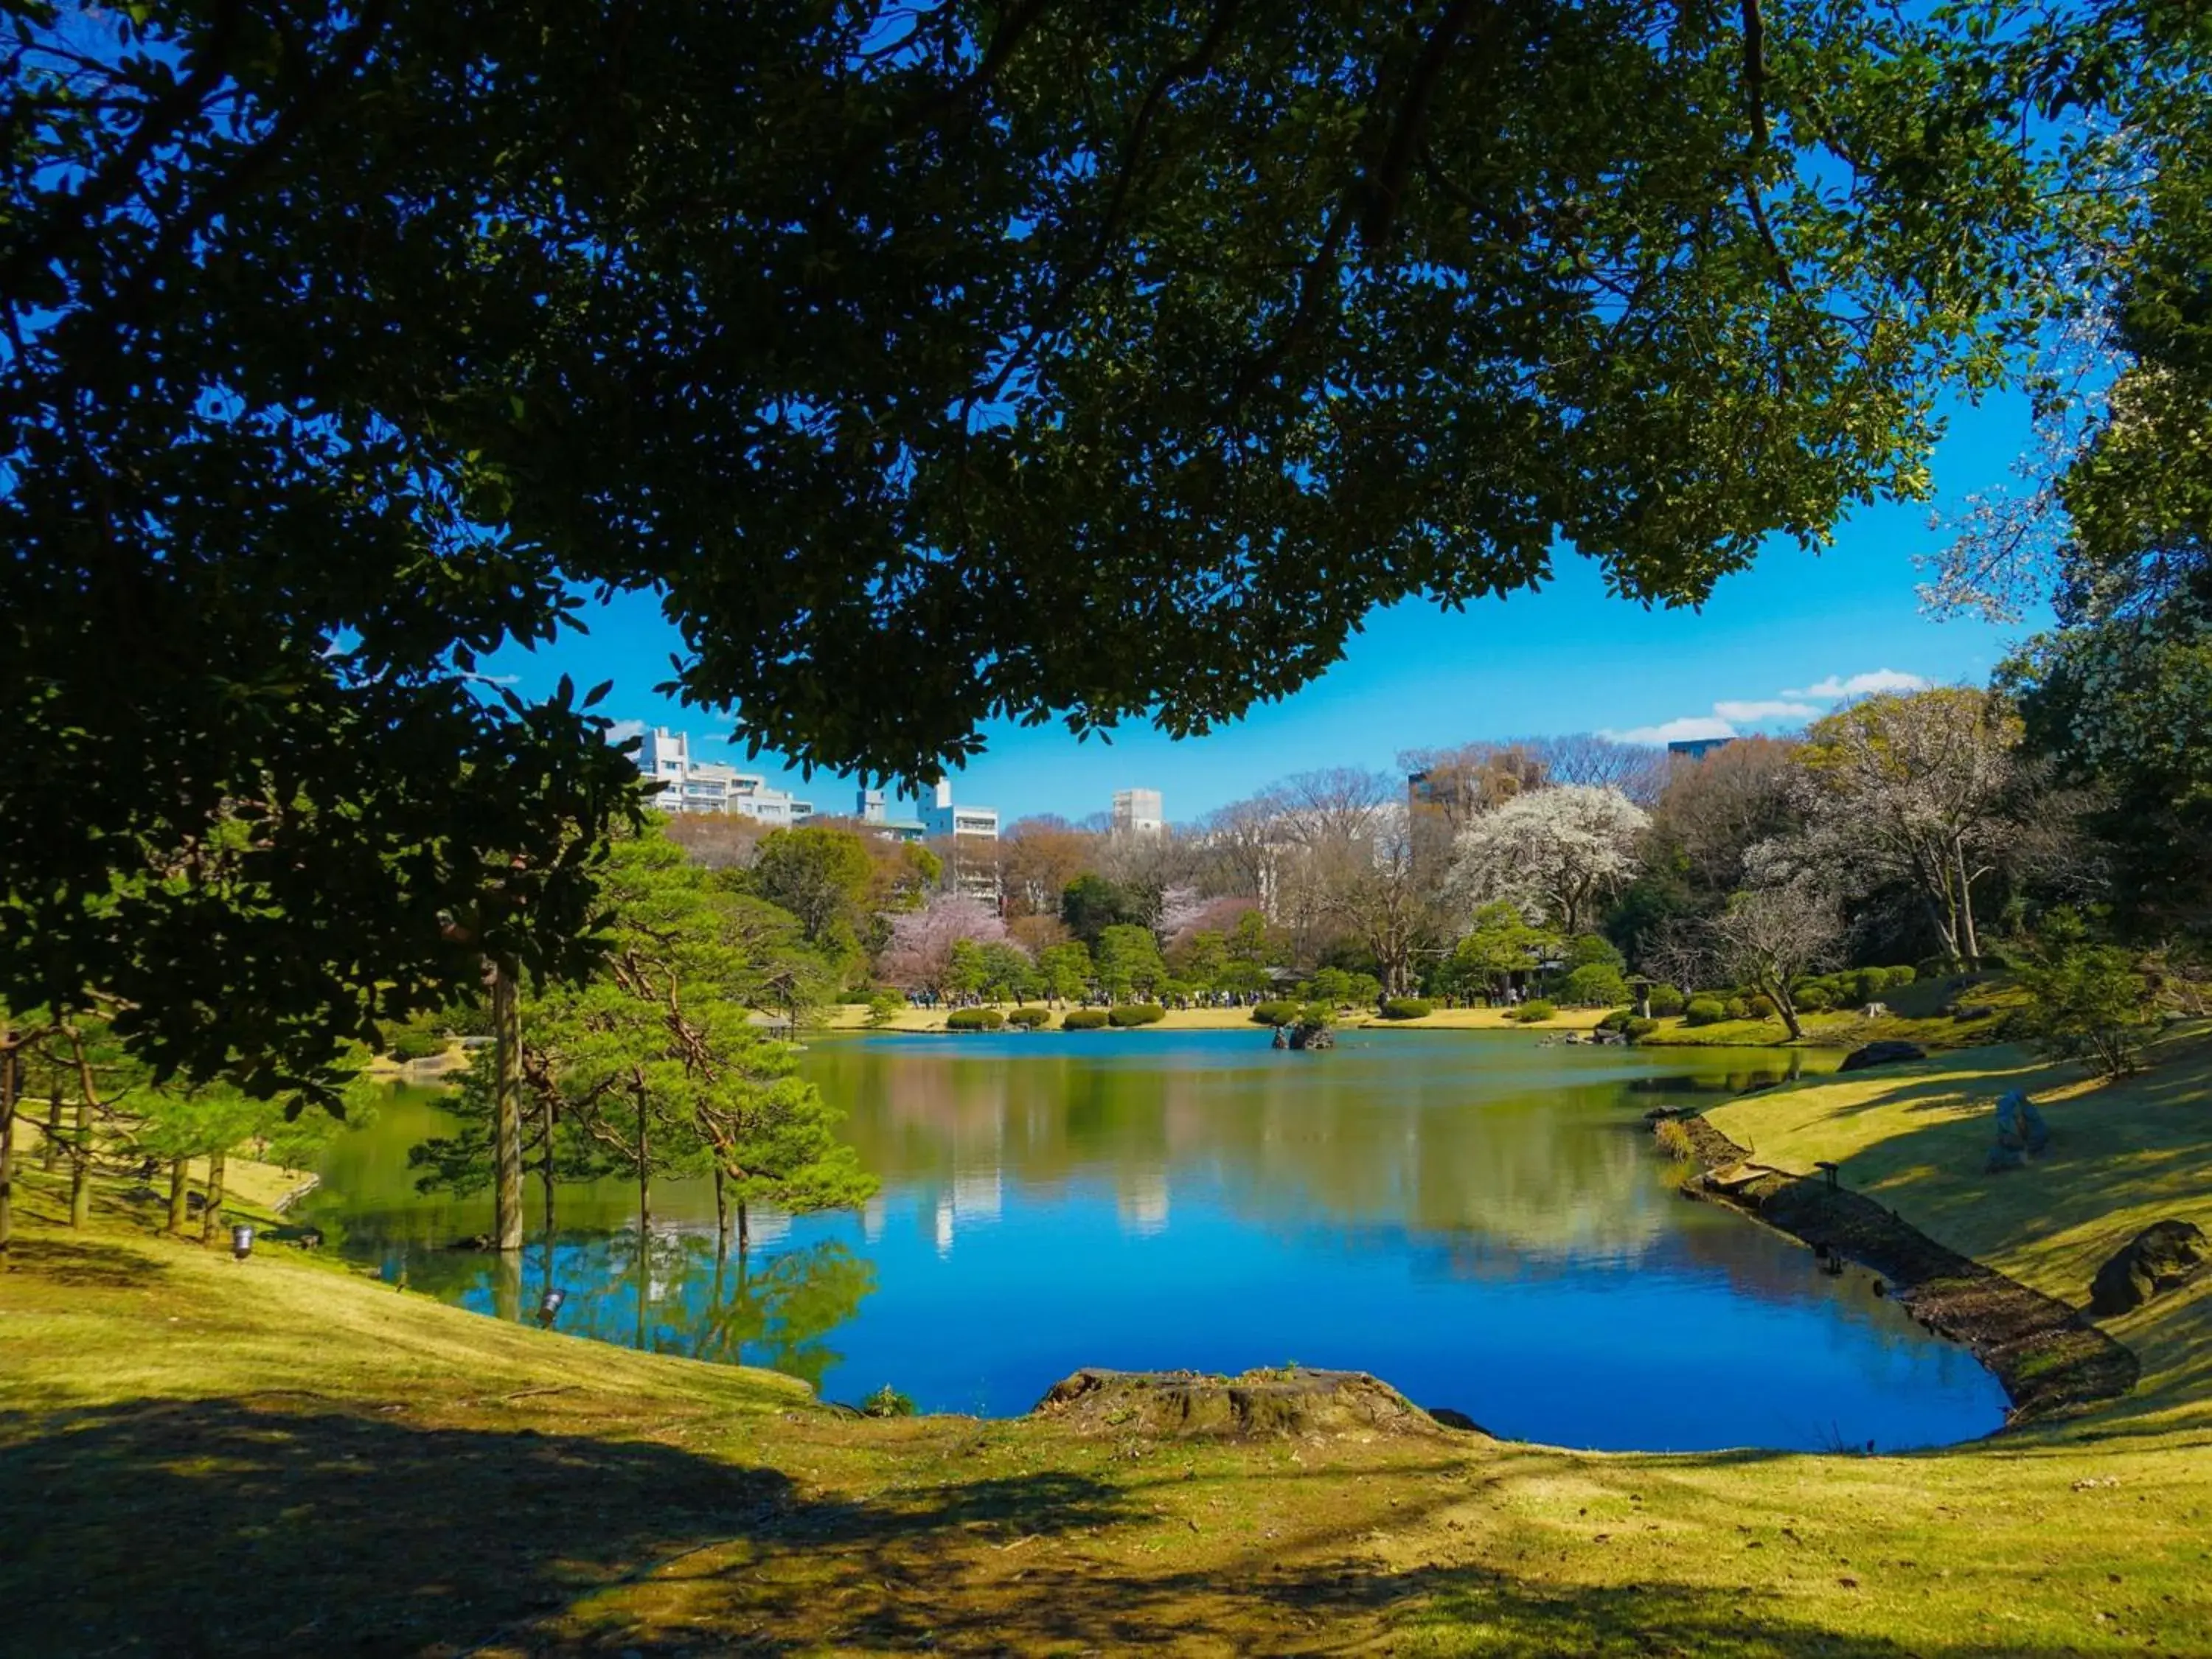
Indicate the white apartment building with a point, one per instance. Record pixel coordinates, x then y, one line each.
941 817
1138 812
696 785
971 833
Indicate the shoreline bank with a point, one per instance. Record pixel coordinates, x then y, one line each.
2048 1358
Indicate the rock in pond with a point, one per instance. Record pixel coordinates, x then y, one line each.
1292 1401
1881 1053
2164 1256
1460 1421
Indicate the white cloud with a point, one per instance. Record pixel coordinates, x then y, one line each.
1772 709
1863 685
1690 726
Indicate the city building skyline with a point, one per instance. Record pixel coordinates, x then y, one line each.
1138 812
695 786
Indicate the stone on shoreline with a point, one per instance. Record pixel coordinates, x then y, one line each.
1886 1052
1182 1404
2164 1256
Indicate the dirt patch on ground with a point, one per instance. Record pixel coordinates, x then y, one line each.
2049 1358
1292 1402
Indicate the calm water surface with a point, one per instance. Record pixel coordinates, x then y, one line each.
1478 1219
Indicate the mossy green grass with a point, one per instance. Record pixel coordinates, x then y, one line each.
283 1456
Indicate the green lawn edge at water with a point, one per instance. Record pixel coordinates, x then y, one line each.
283 1456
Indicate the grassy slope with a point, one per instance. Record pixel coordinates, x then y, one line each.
283 1456
2123 1155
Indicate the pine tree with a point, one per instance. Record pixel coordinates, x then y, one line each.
656 1067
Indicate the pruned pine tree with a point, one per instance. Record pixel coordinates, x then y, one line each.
657 1066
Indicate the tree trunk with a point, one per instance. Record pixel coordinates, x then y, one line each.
745 1228
81 1168
721 1208
1970 947
7 1148
1788 1010
50 1153
545 1172
507 1108
211 1215
507 1286
644 1178
179 1192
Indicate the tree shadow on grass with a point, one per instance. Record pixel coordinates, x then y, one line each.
67 1261
863 1592
224 1528
195 1527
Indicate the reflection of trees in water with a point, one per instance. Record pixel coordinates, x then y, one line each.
773 1310
1534 1151
670 1290
679 1290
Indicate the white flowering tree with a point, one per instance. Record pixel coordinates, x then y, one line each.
918 954
1562 849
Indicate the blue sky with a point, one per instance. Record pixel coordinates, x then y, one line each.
1794 630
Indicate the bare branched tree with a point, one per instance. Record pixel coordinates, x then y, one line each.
1929 790
1638 770
1769 935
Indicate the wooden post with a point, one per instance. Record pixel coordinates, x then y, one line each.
506 1108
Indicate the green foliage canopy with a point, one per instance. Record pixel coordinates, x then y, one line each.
930 365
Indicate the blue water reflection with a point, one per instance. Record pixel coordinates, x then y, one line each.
1481 1220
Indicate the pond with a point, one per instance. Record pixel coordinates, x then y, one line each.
1480 1219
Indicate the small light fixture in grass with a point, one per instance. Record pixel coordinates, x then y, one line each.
241 1240
548 1305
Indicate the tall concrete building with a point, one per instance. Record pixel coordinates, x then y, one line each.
1138 812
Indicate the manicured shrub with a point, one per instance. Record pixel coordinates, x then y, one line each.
1129 1014
1594 985
1759 1006
1635 1027
1813 998
1666 1001
1738 1008
1029 1019
1616 1021
1407 1008
1895 979
974 1019
1535 1009
2088 1002
888 1401
1593 949
416 1045
1705 1011
1275 1013
1083 1019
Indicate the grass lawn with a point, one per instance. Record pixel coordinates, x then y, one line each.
283 1456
